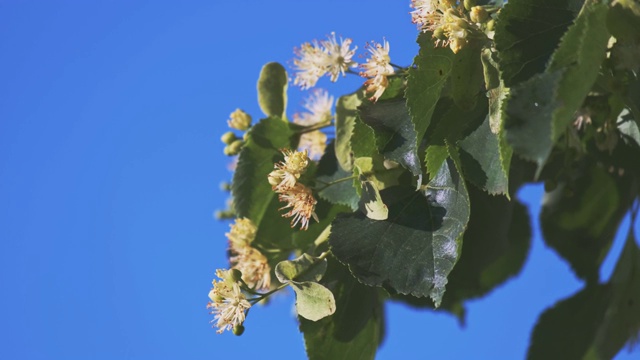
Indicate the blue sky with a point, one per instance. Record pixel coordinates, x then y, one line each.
110 165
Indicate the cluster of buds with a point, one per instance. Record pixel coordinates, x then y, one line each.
228 302
253 265
284 181
450 22
319 106
238 120
377 68
328 57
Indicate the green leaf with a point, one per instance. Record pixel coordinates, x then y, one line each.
394 132
363 140
329 170
435 157
371 203
527 33
581 51
596 322
579 218
496 91
482 162
451 123
496 244
272 90
425 82
413 251
313 301
346 114
251 191
374 169
356 328
326 212
303 268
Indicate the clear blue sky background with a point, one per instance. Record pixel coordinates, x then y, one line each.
110 164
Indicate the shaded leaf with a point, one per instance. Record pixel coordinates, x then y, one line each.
371 203
394 132
272 90
496 244
451 123
527 33
355 330
413 251
579 218
596 322
466 77
328 171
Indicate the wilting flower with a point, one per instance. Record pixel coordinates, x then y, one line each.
256 272
287 172
228 303
239 120
319 58
301 203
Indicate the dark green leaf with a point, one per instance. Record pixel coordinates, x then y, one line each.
451 124
527 33
272 90
355 330
394 132
326 213
329 170
579 218
346 114
425 82
596 322
413 251
466 77
482 162
435 157
496 244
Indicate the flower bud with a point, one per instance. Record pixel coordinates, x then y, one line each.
468 4
239 120
238 330
228 137
234 148
490 24
439 34
478 14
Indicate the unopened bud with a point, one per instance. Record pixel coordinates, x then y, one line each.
238 330
239 120
234 148
228 137
478 14
468 4
439 34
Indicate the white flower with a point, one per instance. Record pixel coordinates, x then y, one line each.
379 62
318 59
242 233
302 203
314 142
319 106
340 56
288 171
311 65
228 303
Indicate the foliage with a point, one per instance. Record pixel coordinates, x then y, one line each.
413 199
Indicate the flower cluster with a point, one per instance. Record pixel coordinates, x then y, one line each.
228 302
317 59
319 106
256 272
445 19
284 181
377 68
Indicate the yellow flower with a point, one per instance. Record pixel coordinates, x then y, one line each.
287 172
242 233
